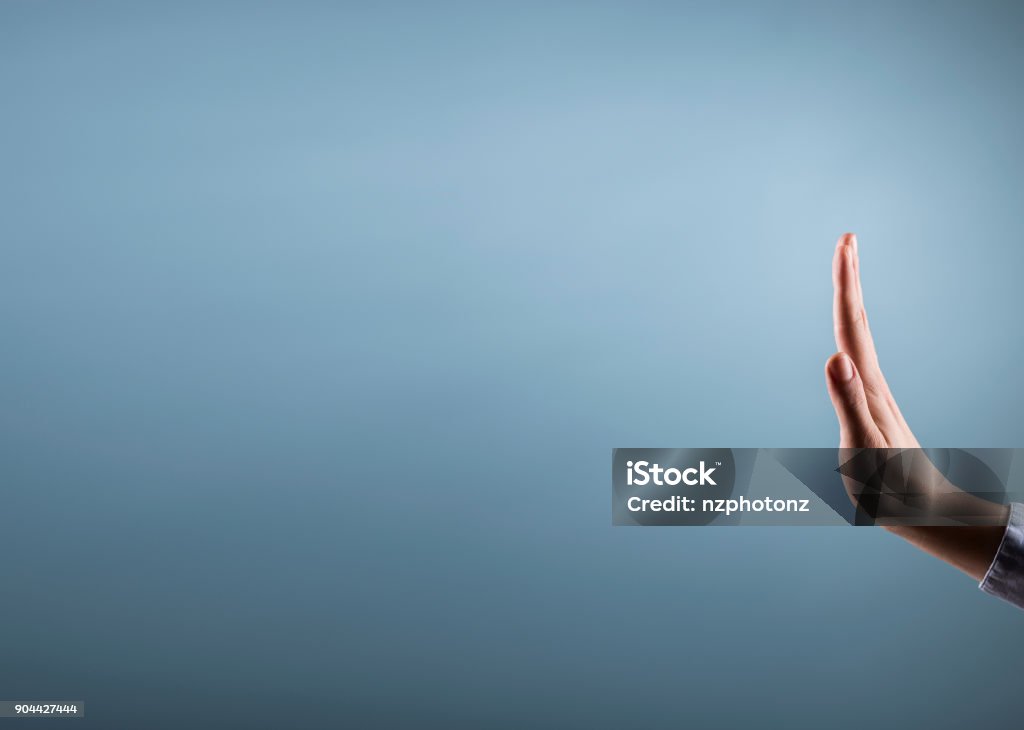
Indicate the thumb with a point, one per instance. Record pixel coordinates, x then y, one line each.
857 428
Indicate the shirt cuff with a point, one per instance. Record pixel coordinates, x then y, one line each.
1005 577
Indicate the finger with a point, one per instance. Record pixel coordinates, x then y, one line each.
851 240
853 336
857 428
849 317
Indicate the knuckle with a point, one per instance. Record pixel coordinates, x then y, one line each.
874 391
855 321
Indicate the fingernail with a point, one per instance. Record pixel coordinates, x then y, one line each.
853 241
841 369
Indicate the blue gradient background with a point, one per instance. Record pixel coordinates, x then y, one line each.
320 322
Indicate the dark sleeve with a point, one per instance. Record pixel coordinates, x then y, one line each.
1005 577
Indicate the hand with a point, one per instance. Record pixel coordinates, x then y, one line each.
869 417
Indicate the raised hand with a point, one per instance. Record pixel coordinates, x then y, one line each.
869 417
